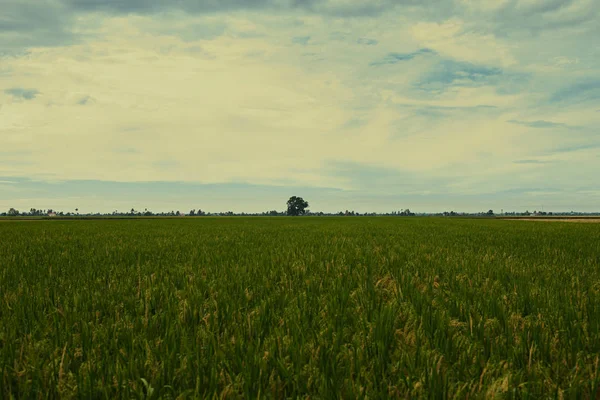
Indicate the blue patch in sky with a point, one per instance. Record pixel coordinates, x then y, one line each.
84 100
541 124
448 72
454 73
394 58
21 93
367 41
303 40
578 92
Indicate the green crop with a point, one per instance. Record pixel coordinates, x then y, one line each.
299 307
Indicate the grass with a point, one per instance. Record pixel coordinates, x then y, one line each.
305 307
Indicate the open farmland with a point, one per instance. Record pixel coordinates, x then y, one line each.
298 307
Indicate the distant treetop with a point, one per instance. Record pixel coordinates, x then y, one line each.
296 206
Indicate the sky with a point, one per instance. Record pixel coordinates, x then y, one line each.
432 105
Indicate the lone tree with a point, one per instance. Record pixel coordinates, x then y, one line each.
296 206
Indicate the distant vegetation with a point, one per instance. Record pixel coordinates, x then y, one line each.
296 206
299 307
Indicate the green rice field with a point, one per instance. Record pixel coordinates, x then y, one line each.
319 308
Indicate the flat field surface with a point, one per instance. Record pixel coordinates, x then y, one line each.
299 307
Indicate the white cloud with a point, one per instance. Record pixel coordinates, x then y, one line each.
453 39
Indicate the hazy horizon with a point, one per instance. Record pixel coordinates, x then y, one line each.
237 105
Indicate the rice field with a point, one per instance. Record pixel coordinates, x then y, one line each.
318 308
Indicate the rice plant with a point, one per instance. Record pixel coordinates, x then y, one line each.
299 308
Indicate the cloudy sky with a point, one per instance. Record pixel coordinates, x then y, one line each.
236 105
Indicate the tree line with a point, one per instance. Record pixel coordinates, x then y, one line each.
296 206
